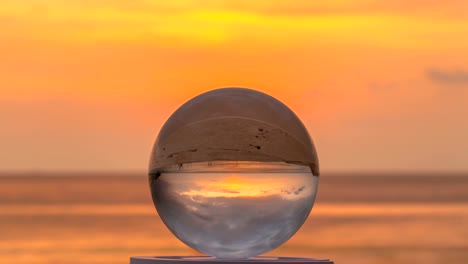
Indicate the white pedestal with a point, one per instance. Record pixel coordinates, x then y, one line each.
212 260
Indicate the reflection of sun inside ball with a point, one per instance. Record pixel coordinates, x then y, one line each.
233 173
234 211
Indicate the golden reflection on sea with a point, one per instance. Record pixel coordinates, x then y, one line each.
109 219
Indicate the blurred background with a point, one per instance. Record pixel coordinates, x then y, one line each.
382 87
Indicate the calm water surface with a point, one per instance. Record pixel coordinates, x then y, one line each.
375 218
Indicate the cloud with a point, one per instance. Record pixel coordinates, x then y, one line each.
295 191
457 77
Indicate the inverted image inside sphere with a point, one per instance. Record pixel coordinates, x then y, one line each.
234 210
233 173
233 124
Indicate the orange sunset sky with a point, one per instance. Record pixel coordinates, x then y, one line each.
86 85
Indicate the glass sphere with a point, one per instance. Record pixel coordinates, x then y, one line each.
233 173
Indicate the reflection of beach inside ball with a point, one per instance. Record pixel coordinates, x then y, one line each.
234 209
233 173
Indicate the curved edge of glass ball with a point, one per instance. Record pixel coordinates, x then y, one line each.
233 124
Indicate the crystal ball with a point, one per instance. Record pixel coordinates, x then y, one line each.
233 173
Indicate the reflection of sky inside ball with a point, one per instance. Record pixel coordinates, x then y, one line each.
234 215
239 185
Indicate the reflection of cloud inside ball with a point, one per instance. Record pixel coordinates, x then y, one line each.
229 224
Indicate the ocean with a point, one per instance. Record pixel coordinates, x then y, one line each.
377 218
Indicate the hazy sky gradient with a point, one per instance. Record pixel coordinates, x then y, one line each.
379 84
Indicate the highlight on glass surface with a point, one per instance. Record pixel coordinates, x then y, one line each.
233 173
